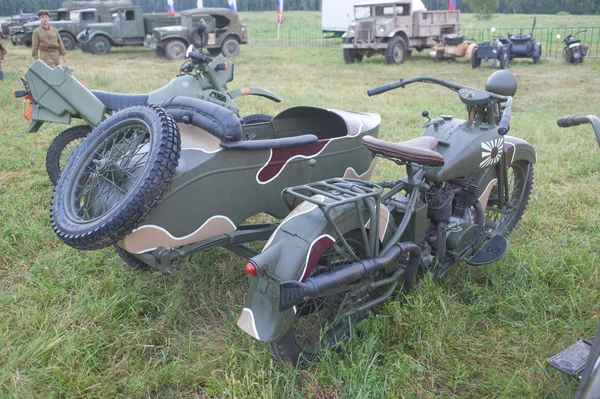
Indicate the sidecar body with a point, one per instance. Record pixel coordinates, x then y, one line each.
222 181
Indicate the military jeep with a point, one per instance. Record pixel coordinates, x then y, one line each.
224 34
394 29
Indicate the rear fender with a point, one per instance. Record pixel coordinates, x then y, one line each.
291 253
58 96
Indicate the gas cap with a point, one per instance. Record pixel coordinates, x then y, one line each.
446 117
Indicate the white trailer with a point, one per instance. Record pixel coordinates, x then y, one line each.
336 15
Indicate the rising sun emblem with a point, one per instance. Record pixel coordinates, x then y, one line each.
491 151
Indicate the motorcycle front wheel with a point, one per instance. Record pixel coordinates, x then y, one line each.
520 182
315 327
116 177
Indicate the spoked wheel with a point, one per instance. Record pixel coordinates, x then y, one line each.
520 182
116 177
62 148
315 326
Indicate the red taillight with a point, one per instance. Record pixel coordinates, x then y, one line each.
251 269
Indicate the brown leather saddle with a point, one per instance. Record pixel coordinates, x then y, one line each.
419 150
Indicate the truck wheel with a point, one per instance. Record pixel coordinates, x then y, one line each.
159 51
99 46
230 47
475 61
195 39
68 40
116 177
61 149
175 50
396 51
351 55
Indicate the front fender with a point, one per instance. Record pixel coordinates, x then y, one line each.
291 253
255 91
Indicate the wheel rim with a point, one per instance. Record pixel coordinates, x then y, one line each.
398 53
314 323
99 46
516 184
109 171
177 51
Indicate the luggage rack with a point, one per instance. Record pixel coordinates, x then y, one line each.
339 192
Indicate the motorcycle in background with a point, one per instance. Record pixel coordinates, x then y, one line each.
574 51
582 359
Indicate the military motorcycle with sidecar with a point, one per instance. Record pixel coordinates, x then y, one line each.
523 45
160 182
347 244
498 50
452 46
582 359
55 95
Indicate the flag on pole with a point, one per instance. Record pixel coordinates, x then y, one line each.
21 11
451 5
279 11
170 7
231 4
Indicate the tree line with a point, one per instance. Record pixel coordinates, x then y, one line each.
9 7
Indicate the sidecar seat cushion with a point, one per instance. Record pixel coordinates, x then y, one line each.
271 143
419 150
117 101
216 120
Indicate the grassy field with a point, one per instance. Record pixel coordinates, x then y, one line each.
81 324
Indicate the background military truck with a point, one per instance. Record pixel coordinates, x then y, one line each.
129 27
71 20
224 33
16 20
394 29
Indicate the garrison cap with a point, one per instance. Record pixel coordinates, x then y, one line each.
43 12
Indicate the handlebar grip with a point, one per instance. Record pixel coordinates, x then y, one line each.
504 125
569 120
384 88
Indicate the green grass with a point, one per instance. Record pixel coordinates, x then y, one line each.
81 324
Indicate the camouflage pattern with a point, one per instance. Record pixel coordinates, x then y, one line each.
47 46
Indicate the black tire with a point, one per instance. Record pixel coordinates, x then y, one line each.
256 118
68 40
175 50
520 181
130 260
351 55
160 51
195 39
214 51
230 47
116 177
99 45
83 47
475 62
504 58
396 51
292 348
62 148
537 58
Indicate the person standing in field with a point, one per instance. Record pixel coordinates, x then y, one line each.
46 42
2 54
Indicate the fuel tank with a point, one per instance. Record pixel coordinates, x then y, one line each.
467 147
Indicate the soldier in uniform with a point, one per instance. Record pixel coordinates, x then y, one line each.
46 42
2 54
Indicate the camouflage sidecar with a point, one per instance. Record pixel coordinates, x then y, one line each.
164 181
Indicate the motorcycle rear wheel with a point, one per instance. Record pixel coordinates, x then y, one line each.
116 177
520 183
315 328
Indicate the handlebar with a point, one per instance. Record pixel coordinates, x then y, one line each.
504 125
428 79
575 120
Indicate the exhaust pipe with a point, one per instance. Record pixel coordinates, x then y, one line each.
291 292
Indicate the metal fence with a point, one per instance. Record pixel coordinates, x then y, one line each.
312 37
